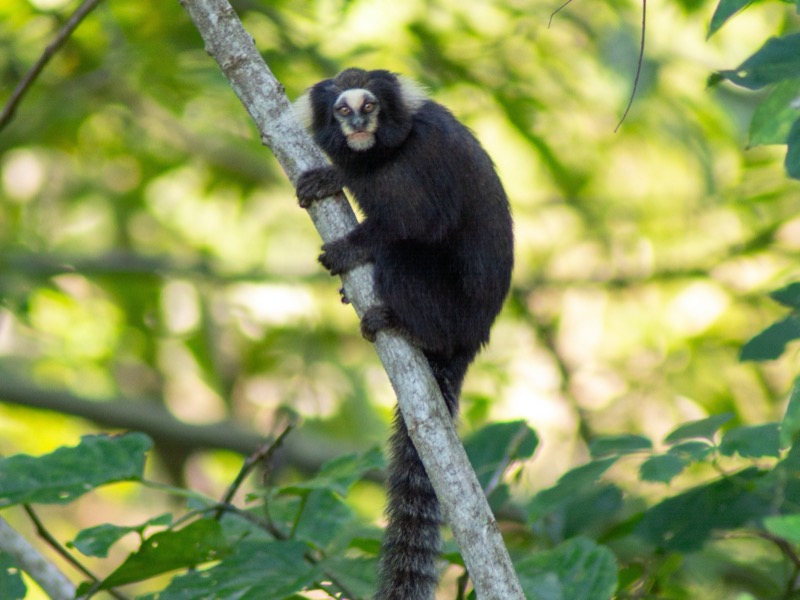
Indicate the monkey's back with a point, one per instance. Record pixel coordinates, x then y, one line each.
445 260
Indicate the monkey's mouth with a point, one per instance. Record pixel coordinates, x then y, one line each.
360 140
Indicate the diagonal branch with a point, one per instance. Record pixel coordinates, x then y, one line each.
63 35
428 421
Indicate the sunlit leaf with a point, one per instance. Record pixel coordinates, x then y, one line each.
777 60
12 587
96 541
197 543
340 473
497 445
724 11
578 569
773 119
702 428
792 161
618 444
570 484
784 526
323 518
771 343
684 522
790 424
788 296
662 468
257 570
692 450
68 473
751 441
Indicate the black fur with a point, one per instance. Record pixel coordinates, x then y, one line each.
437 227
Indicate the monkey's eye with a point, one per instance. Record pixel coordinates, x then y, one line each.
345 110
368 107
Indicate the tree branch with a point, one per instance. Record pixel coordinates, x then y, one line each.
46 574
156 421
63 35
429 424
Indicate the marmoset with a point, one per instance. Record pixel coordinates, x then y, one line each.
438 228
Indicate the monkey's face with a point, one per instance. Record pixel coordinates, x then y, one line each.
356 111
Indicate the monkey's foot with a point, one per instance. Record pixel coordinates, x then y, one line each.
379 318
316 184
340 256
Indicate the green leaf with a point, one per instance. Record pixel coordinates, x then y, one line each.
702 428
619 444
571 484
592 511
492 448
751 441
792 162
68 473
12 587
773 119
789 295
339 474
323 519
199 542
255 571
96 541
577 569
777 60
662 468
724 11
692 451
771 343
357 574
790 424
785 526
684 522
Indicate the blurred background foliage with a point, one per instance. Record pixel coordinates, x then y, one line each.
156 272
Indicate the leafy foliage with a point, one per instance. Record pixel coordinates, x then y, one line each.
776 64
155 275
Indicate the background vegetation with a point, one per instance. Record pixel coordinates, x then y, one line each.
157 275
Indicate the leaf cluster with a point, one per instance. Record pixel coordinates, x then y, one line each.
776 65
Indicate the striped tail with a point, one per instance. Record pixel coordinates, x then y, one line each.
412 540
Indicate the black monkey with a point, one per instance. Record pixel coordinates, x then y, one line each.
438 229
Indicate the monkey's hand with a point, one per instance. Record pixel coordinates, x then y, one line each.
317 184
340 256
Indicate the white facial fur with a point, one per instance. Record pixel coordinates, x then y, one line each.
357 111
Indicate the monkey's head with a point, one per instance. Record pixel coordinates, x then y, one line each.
358 111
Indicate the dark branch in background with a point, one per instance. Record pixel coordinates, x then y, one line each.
63 35
149 416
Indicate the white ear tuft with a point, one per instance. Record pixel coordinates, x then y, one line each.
412 92
302 110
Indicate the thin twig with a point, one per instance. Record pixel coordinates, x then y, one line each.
262 454
556 11
638 67
43 533
22 88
